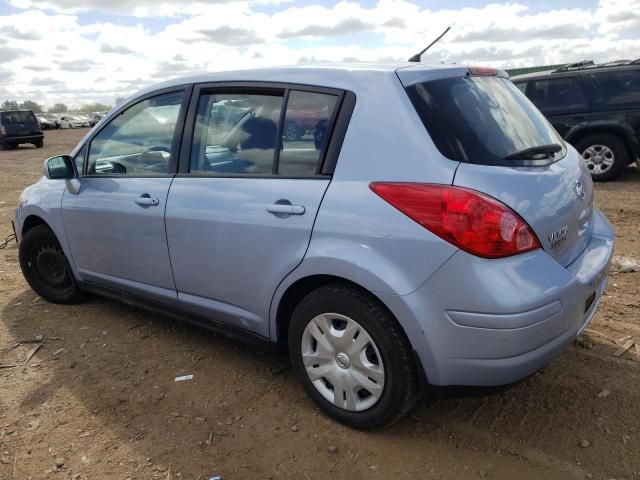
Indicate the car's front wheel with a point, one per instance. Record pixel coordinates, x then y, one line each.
604 154
45 267
352 357
39 143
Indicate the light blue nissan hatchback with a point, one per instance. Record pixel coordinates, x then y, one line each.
392 226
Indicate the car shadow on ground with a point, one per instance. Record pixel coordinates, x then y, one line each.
109 370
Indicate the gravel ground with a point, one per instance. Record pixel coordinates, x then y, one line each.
99 401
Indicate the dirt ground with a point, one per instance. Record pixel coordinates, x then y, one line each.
99 398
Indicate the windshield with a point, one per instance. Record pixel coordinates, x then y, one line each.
481 119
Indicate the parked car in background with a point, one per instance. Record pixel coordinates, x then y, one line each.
19 126
74 121
594 107
426 239
45 123
94 118
56 119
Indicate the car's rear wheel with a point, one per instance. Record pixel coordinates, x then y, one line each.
352 357
45 267
605 155
39 143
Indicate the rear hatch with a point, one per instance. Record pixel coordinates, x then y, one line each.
19 123
508 150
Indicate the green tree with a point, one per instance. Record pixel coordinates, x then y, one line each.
31 105
119 100
9 105
59 108
94 107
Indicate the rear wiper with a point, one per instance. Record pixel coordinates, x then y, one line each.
533 151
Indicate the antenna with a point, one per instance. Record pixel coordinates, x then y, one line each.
416 57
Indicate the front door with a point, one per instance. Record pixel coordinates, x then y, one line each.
239 219
115 222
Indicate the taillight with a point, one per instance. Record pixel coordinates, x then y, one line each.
470 220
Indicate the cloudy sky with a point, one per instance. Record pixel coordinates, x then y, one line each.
79 51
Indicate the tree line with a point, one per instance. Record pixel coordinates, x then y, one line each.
57 108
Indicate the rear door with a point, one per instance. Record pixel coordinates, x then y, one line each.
240 214
482 121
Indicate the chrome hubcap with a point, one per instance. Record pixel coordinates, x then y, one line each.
343 362
598 158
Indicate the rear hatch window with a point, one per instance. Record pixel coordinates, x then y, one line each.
483 119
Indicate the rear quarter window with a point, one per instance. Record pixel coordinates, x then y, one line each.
617 89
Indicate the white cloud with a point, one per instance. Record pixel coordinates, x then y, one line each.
53 57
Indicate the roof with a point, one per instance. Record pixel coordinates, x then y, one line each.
348 76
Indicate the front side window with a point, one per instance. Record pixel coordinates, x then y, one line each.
522 86
139 141
305 132
79 160
236 134
558 93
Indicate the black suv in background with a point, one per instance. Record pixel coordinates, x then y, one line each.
596 108
19 126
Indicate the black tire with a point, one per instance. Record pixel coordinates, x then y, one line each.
401 386
616 148
291 132
39 143
46 268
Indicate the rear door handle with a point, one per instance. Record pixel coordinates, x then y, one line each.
146 200
284 209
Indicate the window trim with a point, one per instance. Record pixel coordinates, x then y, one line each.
336 129
176 144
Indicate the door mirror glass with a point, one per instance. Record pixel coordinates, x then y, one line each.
59 168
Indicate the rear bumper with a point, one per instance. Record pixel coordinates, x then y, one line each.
493 322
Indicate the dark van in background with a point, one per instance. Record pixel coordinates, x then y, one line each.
594 107
19 126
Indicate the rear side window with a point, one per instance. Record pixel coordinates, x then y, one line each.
617 88
248 134
559 93
480 119
236 134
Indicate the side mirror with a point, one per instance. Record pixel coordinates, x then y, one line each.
59 168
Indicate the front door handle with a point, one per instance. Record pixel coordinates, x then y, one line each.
146 200
285 209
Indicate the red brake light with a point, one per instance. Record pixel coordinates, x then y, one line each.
483 71
470 220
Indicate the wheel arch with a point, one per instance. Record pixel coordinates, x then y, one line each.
617 130
295 292
32 221
301 287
